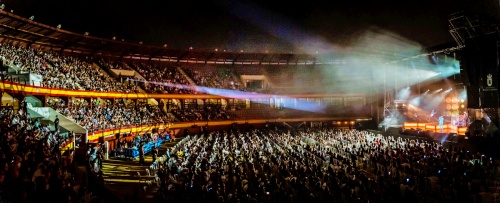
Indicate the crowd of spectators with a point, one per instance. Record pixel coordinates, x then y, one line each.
85 74
207 113
321 165
28 60
59 71
108 64
163 79
70 72
213 77
32 167
108 114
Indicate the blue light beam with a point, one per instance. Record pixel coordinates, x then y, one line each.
284 101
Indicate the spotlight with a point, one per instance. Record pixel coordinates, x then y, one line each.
86 33
165 45
59 26
140 42
32 18
12 11
2 6
114 38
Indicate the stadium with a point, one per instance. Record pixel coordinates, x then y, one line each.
102 119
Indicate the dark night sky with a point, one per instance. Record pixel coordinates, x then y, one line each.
248 25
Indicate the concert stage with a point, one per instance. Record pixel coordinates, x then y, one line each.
434 127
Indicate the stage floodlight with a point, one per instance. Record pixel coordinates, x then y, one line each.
59 26
2 6
32 18
86 33
114 38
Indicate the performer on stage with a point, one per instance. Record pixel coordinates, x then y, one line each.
432 115
465 119
441 123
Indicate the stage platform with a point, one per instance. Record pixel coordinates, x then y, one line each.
434 127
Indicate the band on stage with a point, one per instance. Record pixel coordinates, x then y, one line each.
456 120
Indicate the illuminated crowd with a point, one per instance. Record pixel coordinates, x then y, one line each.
33 169
110 115
321 165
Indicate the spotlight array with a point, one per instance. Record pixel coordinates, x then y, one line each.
344 122
453 106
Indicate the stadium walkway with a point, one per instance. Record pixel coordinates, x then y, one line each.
120 176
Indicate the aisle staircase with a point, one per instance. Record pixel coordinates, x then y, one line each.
109 73
189 79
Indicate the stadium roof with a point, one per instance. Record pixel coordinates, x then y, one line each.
25 32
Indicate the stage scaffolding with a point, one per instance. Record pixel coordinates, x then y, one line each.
471 34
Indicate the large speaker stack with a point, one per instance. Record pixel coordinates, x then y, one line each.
479 69
479 64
